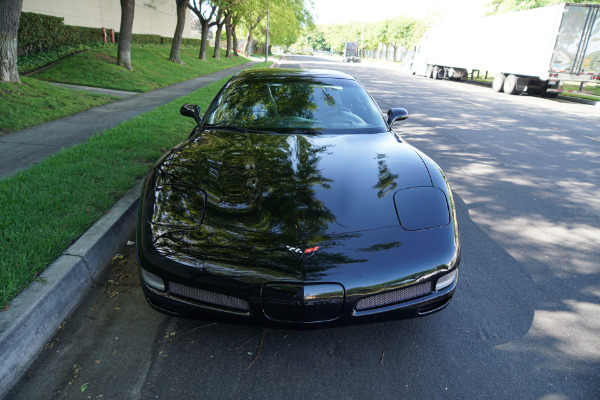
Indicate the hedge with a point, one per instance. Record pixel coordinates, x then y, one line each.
40 33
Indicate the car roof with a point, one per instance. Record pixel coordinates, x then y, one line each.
266 73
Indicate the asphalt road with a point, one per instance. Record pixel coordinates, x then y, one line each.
524 322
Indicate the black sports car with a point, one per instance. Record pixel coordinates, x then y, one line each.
294 203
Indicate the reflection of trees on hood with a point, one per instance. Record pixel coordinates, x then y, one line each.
260 195
387 180
263 182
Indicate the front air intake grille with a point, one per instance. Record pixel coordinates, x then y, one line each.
206 296
395 296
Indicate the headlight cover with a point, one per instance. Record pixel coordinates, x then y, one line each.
177 206
446 280
421 208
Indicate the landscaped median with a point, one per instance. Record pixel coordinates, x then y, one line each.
151 67
35 101
47 207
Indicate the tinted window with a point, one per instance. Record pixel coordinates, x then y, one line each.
292 105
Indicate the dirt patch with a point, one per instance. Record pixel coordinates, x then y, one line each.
106 57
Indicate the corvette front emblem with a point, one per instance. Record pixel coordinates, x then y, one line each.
311 250
297 250
294 249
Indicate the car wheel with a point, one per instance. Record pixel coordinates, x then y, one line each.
437 72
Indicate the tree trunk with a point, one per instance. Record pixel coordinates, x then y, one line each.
229 41
203 41
10 13
217 54
235 42
124 51
250 29
229 26
181 9
196 7
248 42
220 21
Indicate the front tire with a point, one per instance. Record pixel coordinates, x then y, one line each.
437 72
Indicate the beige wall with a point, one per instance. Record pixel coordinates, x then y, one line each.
157 17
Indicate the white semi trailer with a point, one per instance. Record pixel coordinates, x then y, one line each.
540 51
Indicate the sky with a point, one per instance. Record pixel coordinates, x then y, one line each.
344 11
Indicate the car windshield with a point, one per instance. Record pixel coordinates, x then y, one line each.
288 105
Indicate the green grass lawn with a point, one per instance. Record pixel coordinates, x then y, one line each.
48 206
34 102
151 68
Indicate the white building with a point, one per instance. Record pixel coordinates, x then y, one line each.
156 17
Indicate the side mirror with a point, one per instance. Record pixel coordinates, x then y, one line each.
191 110
396 114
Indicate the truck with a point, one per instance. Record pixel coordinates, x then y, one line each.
351 52
542 51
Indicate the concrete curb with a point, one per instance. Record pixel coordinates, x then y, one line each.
36 313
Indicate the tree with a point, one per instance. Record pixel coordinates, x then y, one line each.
254 12
234 11
504 6
222 17
10 13
316 40
124 50
181 9
399 33
206 22
230 30
287 19
338 35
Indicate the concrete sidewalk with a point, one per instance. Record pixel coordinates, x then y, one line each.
19 150
33 317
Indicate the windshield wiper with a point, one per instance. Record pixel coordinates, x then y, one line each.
305 132
235 128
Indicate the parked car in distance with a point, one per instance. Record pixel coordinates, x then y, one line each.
351 52
293 203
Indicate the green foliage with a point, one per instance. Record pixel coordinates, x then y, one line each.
151 68
338 34
398 31
38 32
286 19
317 40
31 62
504 6
41 33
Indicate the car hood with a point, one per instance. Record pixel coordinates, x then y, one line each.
291 184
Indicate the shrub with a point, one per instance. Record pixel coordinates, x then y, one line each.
39 33
31 62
